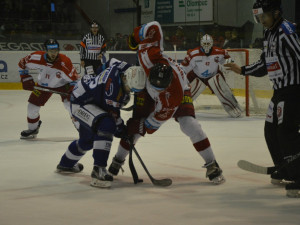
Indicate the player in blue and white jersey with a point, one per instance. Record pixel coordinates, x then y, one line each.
96 103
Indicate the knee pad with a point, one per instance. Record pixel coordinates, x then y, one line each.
190 127
33 111
106 127
84 145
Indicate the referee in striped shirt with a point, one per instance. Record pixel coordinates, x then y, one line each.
281 61
92 48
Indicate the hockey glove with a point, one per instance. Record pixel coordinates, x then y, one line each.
136 126
27 82
121 131
132 44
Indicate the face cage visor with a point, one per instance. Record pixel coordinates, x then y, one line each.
259 15
206 47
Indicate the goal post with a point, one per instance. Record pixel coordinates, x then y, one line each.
246 52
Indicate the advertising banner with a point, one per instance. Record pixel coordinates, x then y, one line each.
177 11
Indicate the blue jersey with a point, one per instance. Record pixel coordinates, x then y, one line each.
105 90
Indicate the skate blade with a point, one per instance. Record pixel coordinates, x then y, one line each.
279 182
66 172
218 180
293 193
29 137
100 183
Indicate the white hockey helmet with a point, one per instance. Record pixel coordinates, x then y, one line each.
135 78
207 43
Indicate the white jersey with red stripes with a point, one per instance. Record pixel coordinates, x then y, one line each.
52 75
150 39
202 65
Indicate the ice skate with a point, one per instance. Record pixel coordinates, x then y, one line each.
293 190
280 178
115 166
30 134
214 173
75 169
100 177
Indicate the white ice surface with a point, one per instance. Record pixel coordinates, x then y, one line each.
31 193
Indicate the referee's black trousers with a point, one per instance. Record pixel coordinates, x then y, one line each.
282 131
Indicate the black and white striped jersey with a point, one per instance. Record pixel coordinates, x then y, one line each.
280 58
91 46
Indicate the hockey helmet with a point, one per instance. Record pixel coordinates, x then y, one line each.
207 43
51 44
160 76
135 78
263 6
94 24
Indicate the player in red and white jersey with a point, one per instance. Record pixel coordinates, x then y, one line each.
203 66
166 95
56 72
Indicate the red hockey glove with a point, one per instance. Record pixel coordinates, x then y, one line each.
27 82
135 126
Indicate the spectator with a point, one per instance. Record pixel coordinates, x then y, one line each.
258 43
235 42
227 38
217 37
200 34
179 39
111 44
121 43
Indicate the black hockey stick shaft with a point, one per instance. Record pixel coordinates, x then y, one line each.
134 174
163 182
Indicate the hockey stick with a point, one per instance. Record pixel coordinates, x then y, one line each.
163 182
49 90
254 168
132 167
128 108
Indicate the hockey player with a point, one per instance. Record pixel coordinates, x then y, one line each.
203 66
56 72
281 61
92 48
167 95
96 103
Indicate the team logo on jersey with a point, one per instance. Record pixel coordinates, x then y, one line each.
58 75
104 75
217 59
280 107
109 87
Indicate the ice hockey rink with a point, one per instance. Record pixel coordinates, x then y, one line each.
31 193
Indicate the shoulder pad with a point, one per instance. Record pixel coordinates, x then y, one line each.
193 51
288 27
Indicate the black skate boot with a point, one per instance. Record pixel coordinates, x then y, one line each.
280 178
101 178
75 169
115 166
214 172
293 190
30 134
